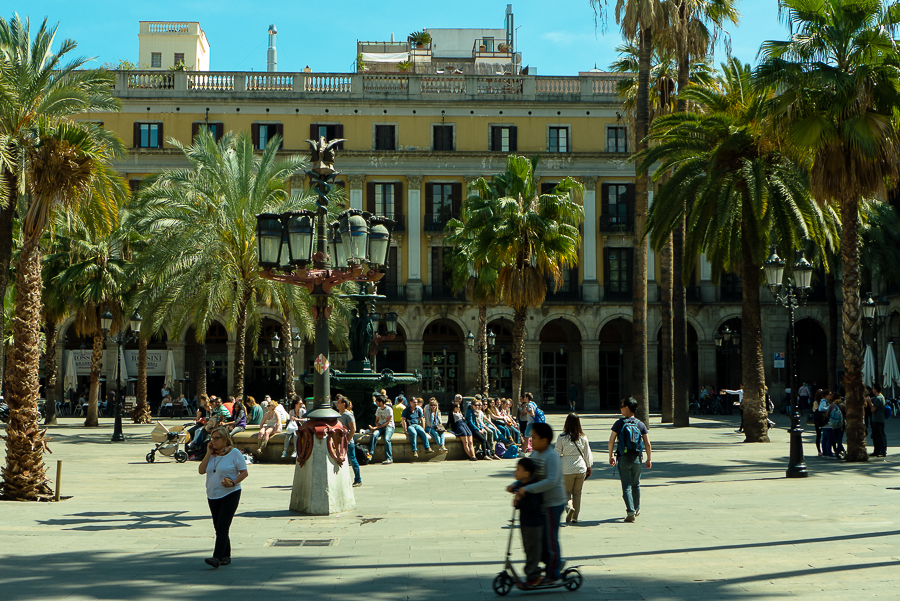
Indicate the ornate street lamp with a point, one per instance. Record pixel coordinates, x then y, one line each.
794 295
119 338
876 314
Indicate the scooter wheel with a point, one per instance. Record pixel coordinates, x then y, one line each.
181 456
572 579
503 584
151 457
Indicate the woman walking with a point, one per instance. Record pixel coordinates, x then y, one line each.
575 453
225 469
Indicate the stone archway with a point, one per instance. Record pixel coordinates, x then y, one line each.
728 355
812 354
615 362
500 358
443 355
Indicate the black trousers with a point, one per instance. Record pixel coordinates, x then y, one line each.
479 439
879 439
222 511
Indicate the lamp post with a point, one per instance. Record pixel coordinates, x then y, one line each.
791 295
119 338
287 351
486 345
876 313
303 249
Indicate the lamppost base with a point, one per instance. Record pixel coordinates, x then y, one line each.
796 465
117 437
797 471
321 487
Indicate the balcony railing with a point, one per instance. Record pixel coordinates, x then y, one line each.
362 86
398 219
617 295
443 293
614 225
436 223
569 293
391 290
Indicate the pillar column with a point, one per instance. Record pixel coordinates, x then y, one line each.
590 286
590 375
653 375
356 190
413 363
531 371
706 357
707 290
231 346
177 349
414 238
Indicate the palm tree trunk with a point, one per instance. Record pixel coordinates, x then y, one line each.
639 388
7 220
679 302
832 331
201 367
482 347
92 419
852 338
240 346
665 309
24 475
518 352
141 412
50 372
289 361
755 418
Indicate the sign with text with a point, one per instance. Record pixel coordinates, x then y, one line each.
156 362
779 360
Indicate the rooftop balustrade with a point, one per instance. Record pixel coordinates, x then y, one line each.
362 86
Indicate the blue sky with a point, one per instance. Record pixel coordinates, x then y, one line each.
558 38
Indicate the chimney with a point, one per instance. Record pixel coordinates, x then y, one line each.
272 55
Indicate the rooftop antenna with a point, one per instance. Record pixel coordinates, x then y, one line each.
510 30
272 55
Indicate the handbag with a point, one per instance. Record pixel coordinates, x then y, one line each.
587 473
291 427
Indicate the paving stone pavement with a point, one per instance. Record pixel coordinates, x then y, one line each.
719 521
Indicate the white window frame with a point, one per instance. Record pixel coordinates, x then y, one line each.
568 129
156 60
606 132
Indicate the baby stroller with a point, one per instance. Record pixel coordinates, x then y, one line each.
507 579
167 442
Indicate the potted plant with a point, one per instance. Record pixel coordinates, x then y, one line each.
404 66
503 47
420 39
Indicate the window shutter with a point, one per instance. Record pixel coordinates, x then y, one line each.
338 134
220 130
160 136
496 138
456 198
629 254
195 129
370 197
630 193
398 199
429 194
606 269
604 200
254 134
435 133
279 131
137 135
133 186
513 139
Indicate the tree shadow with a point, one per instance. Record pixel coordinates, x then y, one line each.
97 521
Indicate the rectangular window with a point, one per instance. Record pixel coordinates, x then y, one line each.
616 139
442 201
443 137
156 60
618 273
559 139
179 59
617 204
149 136
334 131
384 199
384 137
263 133
503 138
441 273
217 129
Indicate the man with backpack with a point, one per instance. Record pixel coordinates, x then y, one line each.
627 443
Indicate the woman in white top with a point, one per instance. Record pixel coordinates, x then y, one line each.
225 469
575 454
270 426
298 410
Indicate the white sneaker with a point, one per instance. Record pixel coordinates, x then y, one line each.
415 453
386 462
284 454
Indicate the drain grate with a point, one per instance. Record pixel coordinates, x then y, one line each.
281 542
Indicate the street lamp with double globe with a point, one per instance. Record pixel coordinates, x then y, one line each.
119 338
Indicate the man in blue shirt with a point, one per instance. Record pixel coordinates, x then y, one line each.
412 418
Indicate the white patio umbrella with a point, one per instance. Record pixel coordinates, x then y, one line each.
123 369
169 382
868 372
71 380
891 371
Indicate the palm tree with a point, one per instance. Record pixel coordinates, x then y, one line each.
640 20
203 219
838 104
37 86
695 27
740 194
527 237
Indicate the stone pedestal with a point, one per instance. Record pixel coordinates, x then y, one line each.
321 486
